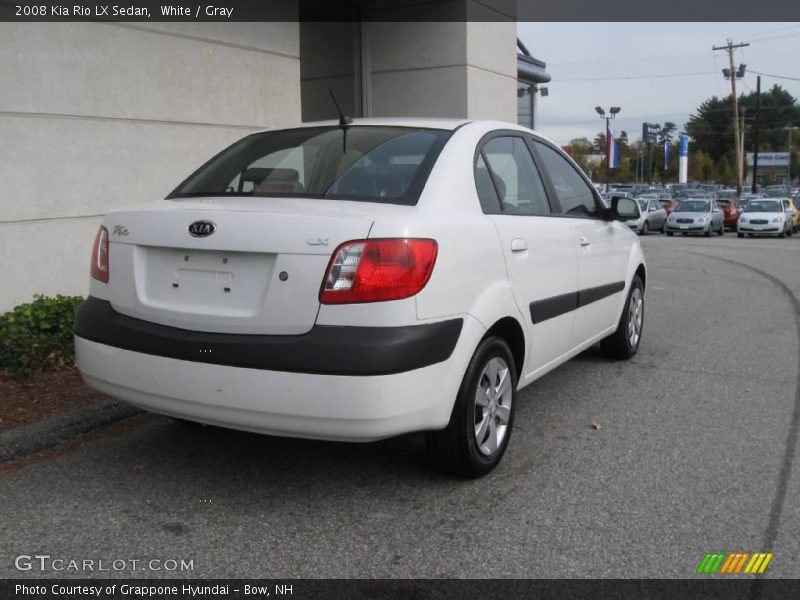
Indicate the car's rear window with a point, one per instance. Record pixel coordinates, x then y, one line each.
369 164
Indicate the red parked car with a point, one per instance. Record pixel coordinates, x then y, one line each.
730 212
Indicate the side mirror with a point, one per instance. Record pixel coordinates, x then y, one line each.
623 209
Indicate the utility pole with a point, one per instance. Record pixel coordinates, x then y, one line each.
755 135
733 74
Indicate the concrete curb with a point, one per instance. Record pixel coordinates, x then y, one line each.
21 441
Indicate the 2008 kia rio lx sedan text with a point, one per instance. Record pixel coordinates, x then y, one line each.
360 280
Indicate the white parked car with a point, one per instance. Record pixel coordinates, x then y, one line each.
363 280
766 216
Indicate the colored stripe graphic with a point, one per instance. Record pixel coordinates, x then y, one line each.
758 563
711 562
731 563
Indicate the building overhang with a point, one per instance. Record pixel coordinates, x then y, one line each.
531 70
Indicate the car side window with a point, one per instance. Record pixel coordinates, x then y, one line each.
517 179
574 194
487 194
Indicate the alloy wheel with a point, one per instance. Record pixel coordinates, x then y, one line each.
493 406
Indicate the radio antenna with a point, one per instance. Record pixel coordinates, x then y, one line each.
344 121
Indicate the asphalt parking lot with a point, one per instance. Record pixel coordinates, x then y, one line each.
697 453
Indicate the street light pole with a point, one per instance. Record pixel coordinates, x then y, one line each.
612 112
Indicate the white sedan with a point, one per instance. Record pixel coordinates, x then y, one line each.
766 216
360 280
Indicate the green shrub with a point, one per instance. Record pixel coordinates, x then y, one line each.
37 336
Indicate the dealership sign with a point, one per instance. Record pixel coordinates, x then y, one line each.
769 159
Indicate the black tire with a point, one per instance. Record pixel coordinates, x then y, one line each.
721 229
670 233
741 235
455 448
664 226
619 345
645 228
782 234
707 232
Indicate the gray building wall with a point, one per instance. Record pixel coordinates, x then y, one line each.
96 116
443 69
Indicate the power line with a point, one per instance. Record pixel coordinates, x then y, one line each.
662 76
777 37
629 60
759 33
775 76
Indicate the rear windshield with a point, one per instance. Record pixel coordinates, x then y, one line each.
369 164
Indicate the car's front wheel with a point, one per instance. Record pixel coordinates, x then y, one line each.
624 342
480 425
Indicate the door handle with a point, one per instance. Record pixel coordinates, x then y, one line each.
519 245
584 241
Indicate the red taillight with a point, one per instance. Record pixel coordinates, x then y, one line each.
100 255
378 270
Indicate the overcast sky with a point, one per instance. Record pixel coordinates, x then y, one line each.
589 61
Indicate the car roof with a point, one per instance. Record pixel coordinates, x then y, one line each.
424 123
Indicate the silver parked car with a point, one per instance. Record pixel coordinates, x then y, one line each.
654 217
696 215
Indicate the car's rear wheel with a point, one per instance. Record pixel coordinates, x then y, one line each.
624 342
480 425
664 226
721 229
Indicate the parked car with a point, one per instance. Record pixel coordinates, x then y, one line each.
361 280
696 215
796 203
730 212
653 217
766 216
776 191
793 204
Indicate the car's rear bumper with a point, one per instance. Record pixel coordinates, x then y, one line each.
325 349
324 406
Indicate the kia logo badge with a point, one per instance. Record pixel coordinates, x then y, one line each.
202 228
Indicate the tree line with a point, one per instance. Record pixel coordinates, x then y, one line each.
712 154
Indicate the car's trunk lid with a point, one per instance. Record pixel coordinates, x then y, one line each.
258 272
